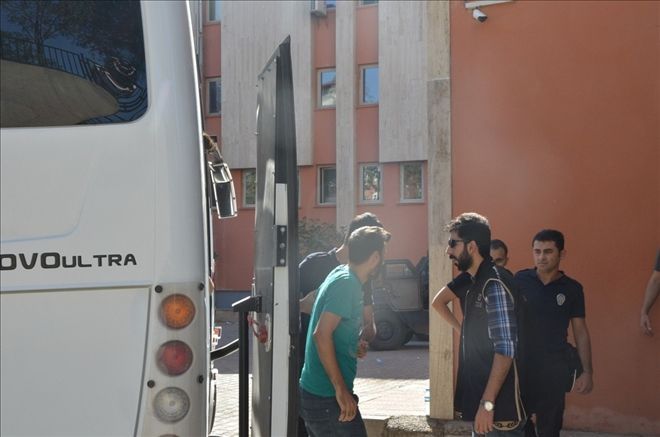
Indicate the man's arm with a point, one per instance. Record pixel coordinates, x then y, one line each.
651 294
326 349
368 323
307 302
503 332
584 384
440 304
483 422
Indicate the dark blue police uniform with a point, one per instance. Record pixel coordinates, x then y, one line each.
551 308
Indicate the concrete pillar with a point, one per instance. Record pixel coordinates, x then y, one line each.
440 201
345 112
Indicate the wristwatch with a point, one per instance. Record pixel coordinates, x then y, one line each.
488 405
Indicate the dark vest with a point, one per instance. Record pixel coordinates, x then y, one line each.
476 354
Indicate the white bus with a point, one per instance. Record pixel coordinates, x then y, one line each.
105 310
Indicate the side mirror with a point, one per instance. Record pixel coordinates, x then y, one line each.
222 186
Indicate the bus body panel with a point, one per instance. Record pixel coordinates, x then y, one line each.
77 393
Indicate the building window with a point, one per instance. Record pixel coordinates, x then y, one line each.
369 85
368 2
371 183
327 97
330 4
214 10
214 96
327 185
412 182
249 187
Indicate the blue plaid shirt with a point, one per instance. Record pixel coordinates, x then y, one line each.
502 326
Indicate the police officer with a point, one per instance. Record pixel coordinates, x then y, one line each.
554 301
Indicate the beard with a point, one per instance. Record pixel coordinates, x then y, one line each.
464 261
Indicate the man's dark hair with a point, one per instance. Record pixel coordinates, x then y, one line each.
364 241
366 219
471 226
499 244
550 235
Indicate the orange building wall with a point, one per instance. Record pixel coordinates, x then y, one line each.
555 123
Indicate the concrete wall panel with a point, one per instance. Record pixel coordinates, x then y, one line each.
251 31
402 58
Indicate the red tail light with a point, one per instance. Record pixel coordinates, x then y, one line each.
177 311
174 357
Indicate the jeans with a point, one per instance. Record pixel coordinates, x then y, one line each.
321 415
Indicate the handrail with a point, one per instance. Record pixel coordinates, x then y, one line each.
225 350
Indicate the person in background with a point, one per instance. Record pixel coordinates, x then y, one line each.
487 390
650 296
327 402
499 252
554 300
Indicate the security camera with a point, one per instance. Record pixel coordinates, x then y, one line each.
479 16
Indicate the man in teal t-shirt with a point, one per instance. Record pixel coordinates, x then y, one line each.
340 294
327 403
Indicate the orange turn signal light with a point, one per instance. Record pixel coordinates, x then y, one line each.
177 311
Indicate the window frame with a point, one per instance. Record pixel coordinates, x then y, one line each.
244 173
361 101
319 86
208 12
320 198
381 194
402 198
208 96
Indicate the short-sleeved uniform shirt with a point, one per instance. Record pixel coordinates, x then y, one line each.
340 294
551 309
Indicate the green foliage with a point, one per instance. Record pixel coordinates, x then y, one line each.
316 236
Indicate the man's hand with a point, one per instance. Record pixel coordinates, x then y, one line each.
584 384
347 405
483 422
363 346
645 323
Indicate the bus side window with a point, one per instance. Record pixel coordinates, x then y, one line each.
71 62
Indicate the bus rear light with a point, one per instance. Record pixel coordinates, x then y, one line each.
177 311
174 357
171 404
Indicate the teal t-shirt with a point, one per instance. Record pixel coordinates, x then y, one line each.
340 294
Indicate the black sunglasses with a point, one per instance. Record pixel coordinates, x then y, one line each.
452 243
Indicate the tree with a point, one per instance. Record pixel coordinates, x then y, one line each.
36 21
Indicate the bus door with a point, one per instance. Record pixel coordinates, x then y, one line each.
275 355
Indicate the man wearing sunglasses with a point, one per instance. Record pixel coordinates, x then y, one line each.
487 391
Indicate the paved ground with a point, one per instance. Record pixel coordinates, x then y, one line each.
389 383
